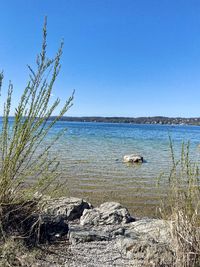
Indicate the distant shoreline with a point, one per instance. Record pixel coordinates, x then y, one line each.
138 120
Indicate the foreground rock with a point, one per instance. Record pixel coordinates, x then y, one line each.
108 236
108 213
133 158
133 244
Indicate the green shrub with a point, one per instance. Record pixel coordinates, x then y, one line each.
26 167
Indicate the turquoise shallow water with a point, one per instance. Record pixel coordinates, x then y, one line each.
91 160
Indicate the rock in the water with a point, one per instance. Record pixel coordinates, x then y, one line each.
71 207
133 158
108 213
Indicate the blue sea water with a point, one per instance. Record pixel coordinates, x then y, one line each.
91 156
91 160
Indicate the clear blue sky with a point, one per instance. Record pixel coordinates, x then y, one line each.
123 57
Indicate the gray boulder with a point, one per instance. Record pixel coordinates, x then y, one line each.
71 207
108 213
157 229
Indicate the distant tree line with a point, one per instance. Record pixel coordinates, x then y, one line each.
138 120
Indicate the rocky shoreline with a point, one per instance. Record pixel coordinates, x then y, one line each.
103 236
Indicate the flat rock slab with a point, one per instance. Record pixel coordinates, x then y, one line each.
81 234
153 229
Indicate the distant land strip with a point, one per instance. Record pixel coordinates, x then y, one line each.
138 120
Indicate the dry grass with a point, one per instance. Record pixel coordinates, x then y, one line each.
13 253
182 208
